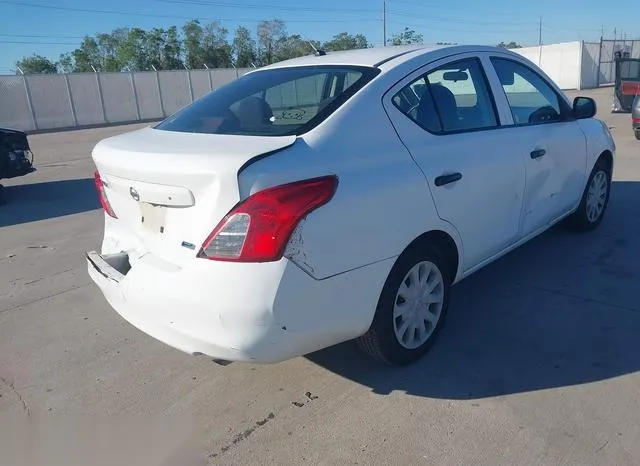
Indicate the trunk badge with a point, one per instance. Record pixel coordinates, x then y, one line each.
134 194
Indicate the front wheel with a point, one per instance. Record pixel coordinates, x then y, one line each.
411 309
594 200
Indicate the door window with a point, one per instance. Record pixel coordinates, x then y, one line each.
531 98
452 98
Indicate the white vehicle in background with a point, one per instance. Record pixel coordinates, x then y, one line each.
340 196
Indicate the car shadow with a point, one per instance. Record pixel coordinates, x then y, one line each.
562 310
39 201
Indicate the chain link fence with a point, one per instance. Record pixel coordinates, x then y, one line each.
608 49
57 101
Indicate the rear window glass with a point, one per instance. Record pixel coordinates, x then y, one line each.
274 102
630 69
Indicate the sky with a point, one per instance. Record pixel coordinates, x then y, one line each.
51 27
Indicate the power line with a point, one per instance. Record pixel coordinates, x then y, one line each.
448 29
449 7
44 36
440 19
37 43
253 6
156 15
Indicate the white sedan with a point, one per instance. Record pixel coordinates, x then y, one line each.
340 196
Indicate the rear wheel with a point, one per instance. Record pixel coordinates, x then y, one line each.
411 309
637 132
594 199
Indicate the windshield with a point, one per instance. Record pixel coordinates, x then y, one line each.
630 69
278 102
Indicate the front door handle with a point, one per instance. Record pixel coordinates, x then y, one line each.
448 178
536 154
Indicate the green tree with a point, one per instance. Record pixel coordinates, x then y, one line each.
172 49
160 49
65 63
132 53
36 64
216 48
192 41
244 48
346 41
293 46
269 34
408 36
510 45
86 56
206 45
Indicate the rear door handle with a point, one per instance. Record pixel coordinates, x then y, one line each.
448 178
536 154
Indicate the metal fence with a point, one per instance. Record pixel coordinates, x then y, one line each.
606 57
56 101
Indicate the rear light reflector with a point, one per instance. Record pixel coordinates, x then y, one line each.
258 228
102 195
635 119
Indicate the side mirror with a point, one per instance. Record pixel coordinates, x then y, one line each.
584 107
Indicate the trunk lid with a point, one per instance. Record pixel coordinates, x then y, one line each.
170 189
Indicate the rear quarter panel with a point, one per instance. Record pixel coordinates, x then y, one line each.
382 202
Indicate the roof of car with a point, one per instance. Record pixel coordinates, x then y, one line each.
374 56
362 57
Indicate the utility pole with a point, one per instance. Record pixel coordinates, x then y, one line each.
540 42
540 32
384 22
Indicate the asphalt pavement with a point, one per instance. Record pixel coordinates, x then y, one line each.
538 363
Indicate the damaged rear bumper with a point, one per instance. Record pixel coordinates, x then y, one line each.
262 313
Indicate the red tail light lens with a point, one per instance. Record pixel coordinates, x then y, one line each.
103 196
258 228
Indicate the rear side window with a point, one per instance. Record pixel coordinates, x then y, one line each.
531 98
452 98
274 102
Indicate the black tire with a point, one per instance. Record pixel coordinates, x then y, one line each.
579 221
380 341
637 133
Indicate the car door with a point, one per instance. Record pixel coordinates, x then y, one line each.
445 115
551 142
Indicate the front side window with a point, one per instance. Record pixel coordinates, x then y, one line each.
630 69
274 102
452 98
531 98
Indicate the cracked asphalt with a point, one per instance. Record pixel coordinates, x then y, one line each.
538 363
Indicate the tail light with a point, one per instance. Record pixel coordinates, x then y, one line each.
258 228
103 196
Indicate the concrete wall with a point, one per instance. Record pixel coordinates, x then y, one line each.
580 65
591 75
56 101
562 62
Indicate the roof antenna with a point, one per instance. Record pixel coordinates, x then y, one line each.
317 53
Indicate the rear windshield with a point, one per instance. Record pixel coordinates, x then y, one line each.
278 102
630 69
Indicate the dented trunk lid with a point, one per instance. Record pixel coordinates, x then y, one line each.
170 189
